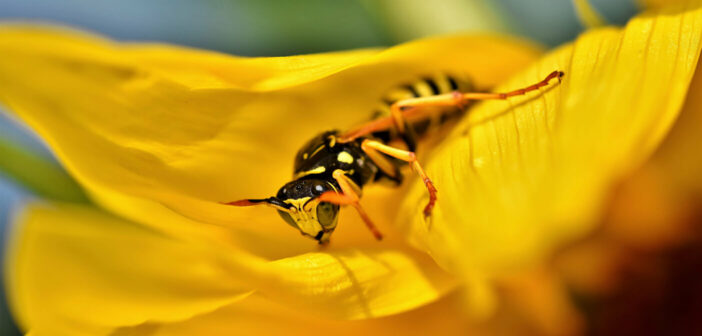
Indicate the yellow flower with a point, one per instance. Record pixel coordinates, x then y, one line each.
533 173
159 135
645 254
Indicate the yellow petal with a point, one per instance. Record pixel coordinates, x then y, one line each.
588 15
519 177
355 284
74 269
678 157
256 315
144 127
655 207
657 3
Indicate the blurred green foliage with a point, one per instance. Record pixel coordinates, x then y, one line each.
43 177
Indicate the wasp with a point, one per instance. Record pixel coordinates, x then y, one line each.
332 168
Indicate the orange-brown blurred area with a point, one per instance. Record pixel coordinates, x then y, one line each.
639 272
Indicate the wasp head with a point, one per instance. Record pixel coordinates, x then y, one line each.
307 213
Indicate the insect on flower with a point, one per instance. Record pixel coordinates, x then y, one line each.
332 168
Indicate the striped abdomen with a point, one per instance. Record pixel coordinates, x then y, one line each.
436 84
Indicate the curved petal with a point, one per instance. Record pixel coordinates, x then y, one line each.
678 157
254 316
656 207
519 177
77 270
587 14
72 269
186 129
653 4
355 284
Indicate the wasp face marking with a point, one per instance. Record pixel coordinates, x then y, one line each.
313 218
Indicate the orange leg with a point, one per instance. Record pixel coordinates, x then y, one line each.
404 129
411 109
397 117
411 158
383 163
349 197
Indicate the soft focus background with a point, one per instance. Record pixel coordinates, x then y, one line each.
260 28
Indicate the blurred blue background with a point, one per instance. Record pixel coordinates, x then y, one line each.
261 28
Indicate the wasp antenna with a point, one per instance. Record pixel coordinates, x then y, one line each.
244 202
271 201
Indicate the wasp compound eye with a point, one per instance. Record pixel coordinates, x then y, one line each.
326 213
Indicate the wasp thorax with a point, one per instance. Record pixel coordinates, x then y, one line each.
313 218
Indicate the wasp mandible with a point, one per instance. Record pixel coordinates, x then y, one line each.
332 168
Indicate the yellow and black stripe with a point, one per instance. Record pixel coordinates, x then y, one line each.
436 84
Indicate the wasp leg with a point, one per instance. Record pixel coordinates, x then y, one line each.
384 164
411 158
404 128
349 197
411 109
